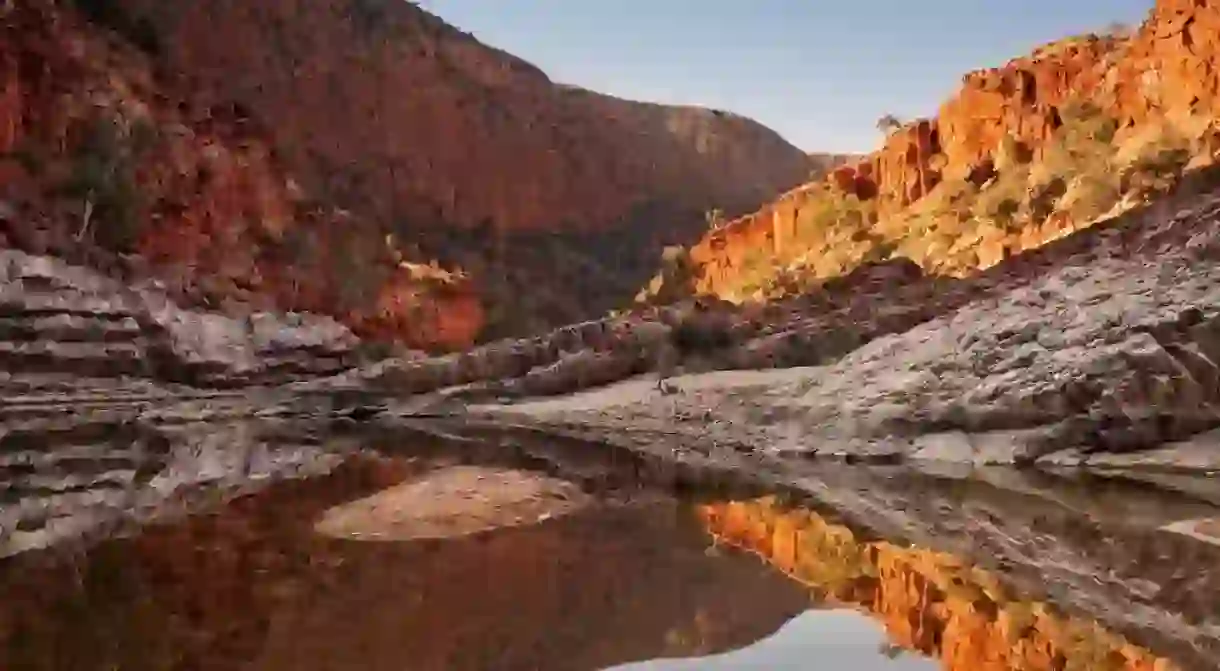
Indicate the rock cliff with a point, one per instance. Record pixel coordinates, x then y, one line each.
1020 155
557 200
106 162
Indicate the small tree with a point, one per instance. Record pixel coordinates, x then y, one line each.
677 278
103 181
888 123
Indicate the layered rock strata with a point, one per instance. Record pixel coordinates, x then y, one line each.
104 388
60 323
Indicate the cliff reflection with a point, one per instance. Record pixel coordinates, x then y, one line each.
929 602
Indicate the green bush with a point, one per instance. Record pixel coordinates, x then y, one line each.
360 269
1085 124
31 159
369 16
108 14
103 180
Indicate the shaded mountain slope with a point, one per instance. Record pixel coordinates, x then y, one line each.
468 153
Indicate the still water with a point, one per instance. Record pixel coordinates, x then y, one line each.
646 582
829 639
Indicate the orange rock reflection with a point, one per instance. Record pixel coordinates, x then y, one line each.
929 602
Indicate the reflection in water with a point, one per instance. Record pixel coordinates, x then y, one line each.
251 586
928 601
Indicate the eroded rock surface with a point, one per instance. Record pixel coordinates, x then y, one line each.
59 320
1103 343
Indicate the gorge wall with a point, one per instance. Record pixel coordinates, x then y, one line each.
1020 155
357 158
557 200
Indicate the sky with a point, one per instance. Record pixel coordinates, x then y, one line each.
820 72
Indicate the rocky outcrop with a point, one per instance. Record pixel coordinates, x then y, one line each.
59 319
822 326
1017 104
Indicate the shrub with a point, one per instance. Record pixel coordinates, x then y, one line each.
1043 197
1001 201
1091 195
888 123
103 180
1085 125
108 14
359 267
368 16
1164 161
677 278
1118 30
1011 153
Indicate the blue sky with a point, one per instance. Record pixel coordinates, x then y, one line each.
818 71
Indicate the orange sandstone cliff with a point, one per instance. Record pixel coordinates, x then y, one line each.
1020 155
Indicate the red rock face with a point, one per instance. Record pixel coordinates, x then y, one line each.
930 602
1020 100
204 199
